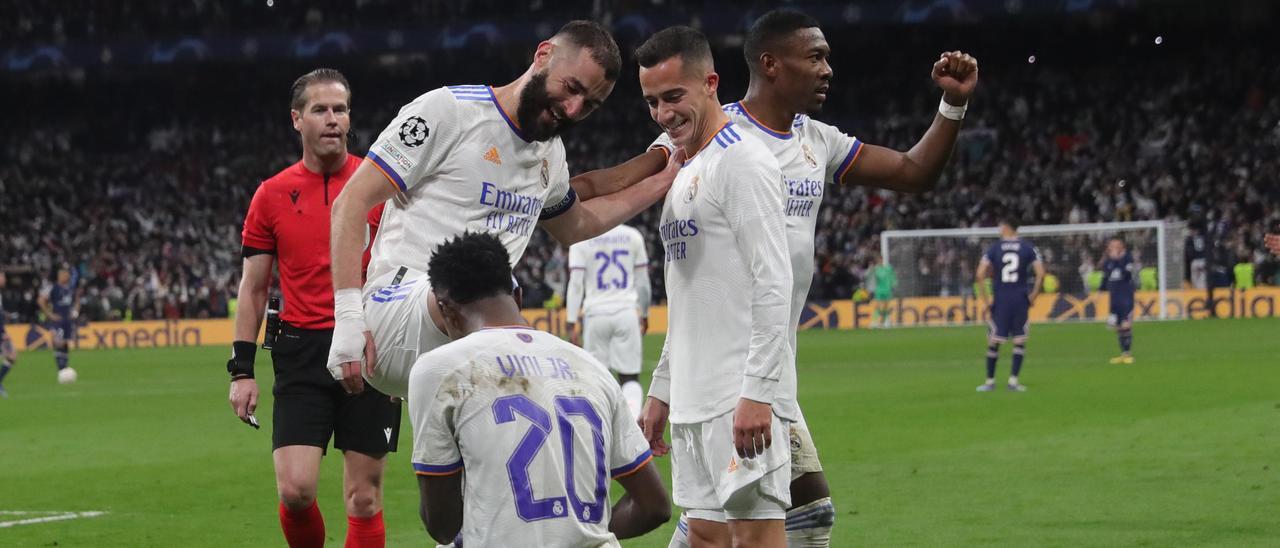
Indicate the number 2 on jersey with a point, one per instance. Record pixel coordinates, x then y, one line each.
529 508
1009 274
616 260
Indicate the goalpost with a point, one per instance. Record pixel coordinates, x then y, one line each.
942 262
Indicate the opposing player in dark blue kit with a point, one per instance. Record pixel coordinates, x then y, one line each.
1015 259
1118 272
61 305
8 355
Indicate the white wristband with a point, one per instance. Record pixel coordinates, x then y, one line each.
952 112
348 305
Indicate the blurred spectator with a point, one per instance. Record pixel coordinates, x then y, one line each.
141 176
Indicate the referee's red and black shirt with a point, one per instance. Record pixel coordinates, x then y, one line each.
289 217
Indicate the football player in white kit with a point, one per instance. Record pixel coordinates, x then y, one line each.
790 77
724 372
538 425
468 158
609 283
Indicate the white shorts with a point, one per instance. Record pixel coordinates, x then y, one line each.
614 339
711 482
396 313
804 454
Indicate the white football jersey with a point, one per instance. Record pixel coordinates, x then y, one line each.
810 154
461 164
612 264
728 283
526 414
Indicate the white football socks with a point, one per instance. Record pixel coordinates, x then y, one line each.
634 395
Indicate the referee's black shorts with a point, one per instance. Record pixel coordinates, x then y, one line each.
310 406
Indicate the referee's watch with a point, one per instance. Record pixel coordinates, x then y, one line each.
240 366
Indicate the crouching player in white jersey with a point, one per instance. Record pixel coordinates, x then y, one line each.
469 158
537 423
612 270
787 55
724 376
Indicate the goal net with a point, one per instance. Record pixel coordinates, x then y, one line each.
942 262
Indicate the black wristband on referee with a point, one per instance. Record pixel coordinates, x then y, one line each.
240 366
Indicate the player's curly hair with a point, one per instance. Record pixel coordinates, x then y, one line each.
769 29
470 267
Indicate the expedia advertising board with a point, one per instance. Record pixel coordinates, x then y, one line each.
1261 302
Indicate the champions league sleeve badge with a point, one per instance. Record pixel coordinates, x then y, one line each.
413 132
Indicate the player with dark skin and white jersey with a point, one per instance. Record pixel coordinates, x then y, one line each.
517 493
788 57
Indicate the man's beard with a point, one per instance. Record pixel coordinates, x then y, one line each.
534 100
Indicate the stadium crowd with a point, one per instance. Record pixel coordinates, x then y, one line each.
140 178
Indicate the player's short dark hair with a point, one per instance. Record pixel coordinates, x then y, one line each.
1011 220
771 28
593 36
470 267
298 96
686 42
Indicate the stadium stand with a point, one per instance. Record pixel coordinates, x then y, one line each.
140 177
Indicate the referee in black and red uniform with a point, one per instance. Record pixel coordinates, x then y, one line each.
288 221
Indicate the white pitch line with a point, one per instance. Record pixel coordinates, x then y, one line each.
46 519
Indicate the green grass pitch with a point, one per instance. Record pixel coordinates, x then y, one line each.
1180 449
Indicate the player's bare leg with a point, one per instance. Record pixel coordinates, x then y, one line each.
762 533
709 534
297 473
362 493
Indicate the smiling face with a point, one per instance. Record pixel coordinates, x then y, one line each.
325 119
682 100
568 86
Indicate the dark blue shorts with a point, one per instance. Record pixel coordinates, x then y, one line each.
63 329
1008 319
1120 311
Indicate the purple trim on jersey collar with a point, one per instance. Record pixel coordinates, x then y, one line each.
487 328
710 140
493 97
755 122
